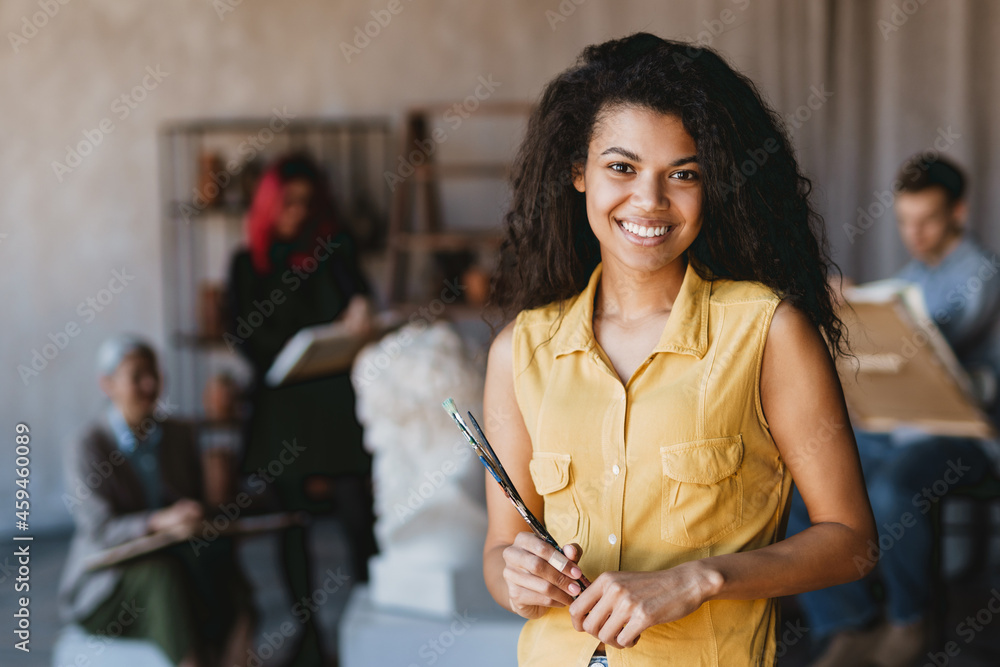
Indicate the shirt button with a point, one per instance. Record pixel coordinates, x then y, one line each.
612 539
615 469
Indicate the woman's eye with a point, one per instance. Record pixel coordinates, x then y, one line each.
620 167
686 175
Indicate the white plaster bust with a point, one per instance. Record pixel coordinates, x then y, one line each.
428 483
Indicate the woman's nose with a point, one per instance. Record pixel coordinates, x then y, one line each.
649 193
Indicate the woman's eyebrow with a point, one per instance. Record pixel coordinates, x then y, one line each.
684 160
626 153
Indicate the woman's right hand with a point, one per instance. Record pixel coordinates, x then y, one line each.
538 576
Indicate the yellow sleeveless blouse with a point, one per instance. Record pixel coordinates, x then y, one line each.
676 465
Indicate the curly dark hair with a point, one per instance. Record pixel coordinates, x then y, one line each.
757 221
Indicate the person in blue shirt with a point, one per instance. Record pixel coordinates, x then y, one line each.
907 470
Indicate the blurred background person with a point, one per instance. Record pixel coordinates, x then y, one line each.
301 263
135 471
958 279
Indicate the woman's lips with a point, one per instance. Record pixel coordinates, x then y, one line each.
645 235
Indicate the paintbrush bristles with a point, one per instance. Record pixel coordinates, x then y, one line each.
449 406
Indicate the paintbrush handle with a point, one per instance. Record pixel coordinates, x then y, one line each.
485 451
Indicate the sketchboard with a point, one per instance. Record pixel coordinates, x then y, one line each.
905 373
324 349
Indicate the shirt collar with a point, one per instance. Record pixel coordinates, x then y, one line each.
686 331
124 436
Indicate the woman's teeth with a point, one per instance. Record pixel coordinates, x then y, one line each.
645 232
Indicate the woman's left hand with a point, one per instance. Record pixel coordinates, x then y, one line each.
618 606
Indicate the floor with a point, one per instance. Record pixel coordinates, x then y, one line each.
969 598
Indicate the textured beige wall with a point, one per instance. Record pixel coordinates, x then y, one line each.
61 240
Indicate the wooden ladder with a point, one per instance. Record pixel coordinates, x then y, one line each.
415 221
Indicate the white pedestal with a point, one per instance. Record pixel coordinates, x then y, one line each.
75 647
373 637
427 590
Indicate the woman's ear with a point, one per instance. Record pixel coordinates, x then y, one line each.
579 182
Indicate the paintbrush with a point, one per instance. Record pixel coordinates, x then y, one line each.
492 463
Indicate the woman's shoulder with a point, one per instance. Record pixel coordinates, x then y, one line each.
540 327
529 320
521 326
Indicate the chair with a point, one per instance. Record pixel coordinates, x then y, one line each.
983 494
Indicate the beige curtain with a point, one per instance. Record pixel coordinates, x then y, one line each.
900 77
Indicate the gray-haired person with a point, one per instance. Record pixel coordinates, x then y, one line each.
131 472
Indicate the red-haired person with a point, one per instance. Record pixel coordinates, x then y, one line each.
299 269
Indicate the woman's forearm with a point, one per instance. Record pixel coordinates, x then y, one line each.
825 554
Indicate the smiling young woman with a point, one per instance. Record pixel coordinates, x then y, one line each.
665 370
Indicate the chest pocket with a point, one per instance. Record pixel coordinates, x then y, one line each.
702 490
550 471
